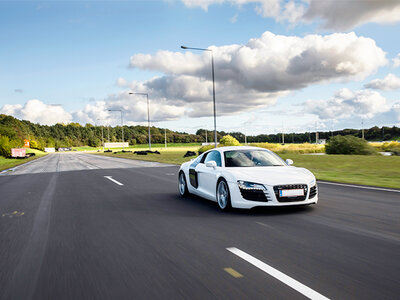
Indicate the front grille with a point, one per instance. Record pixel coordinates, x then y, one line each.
255 195
313 191
277 188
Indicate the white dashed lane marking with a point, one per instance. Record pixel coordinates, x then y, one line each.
113 180
289 281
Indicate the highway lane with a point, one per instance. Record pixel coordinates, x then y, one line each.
68 232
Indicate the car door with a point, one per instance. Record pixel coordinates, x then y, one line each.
207 176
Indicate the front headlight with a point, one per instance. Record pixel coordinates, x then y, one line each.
313 182
245 185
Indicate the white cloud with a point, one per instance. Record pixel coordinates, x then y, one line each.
37 112
275 62
254 75
277 9
134 109
342 15
389 83
348 104
396 61
396 110
121 82
234 18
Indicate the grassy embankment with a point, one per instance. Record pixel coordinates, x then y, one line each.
373 170
6 163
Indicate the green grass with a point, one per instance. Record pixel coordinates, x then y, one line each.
373 170
170 155
6 163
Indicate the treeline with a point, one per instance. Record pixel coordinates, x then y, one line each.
372 134
14 131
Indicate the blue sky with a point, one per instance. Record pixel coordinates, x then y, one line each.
77 54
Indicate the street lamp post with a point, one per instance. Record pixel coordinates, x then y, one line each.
122 125
213 79
102 135
148 113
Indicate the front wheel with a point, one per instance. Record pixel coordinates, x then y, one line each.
223 195
182 186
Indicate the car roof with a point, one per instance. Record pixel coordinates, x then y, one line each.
230 148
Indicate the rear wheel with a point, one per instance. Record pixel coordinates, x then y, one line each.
182 186
223 195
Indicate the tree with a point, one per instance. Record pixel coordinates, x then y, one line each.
229 140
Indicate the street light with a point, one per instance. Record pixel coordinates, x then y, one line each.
122 125
213 79
148 113
102 136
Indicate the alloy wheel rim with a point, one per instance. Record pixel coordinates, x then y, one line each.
222 195
181 184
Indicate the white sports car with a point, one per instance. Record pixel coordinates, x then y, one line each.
245 177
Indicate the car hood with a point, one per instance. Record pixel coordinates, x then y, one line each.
274 175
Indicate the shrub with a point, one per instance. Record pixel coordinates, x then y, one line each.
228 140
94 142
349 144
6 144
205 148
34 144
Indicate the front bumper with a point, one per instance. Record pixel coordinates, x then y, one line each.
238 201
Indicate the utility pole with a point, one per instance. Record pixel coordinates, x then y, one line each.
283 134
165 136
316 132
245 139
206 137
362 129
102 137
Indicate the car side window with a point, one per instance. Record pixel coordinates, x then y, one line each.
196 162
215 156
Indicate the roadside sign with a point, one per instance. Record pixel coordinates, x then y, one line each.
27 144
116 145
18 152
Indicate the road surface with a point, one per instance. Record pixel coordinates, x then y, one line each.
80 226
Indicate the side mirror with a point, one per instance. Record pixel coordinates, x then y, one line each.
289 162
211 164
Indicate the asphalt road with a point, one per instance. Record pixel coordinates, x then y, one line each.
69 232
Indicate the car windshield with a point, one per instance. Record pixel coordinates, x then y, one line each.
252 158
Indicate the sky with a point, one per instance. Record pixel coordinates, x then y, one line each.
296 65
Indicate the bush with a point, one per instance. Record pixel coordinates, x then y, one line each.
349 144
94 142
205 148
34 144
6 144
228 140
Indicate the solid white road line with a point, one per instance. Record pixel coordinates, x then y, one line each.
294 284
360 187
113 180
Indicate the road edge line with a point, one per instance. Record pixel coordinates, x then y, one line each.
359 186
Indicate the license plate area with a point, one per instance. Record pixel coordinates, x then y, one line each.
291 193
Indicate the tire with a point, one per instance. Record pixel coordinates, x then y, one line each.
223 195
182 185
